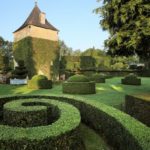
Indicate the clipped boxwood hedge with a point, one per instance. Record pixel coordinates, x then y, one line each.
138 106
79 84
39 82
61 134
120 130
131 79
98 78
25 113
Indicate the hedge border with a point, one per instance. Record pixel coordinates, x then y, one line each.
58 135
138 107
79 87
131 82
121 131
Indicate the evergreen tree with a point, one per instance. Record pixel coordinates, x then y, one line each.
20 71
128 22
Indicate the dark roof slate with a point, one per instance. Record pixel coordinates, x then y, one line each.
34 19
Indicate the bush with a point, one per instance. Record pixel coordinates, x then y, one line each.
138 106
79 87
61 134
78 78
131 79
98 78
79 84
120 130
39 82
20 71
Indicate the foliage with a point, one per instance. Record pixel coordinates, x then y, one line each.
20 71
61 134
128 23
39 82
98 78
138 106
38 55
78 78
131 79
121 130
87 62
79 87
5 54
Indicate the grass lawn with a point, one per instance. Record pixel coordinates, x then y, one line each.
111 93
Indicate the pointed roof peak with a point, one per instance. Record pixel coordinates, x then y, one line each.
36 2
34 19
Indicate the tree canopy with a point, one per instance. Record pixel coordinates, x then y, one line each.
128 22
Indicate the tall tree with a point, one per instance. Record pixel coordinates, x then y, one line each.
5 53
128 22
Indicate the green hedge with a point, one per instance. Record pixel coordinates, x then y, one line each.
39 82
131 79
120 130
98 78
138 106
78 78
29 113
78 84
62 134
79 87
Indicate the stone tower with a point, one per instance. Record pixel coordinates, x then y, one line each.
36 42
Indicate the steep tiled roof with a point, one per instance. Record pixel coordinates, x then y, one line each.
34 19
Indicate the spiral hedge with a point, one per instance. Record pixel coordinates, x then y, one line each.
120 130
37 124
79 84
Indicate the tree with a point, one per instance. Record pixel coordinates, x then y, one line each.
128 22
5 53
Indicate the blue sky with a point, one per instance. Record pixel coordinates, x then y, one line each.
78 26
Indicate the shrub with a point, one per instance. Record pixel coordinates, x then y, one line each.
79 84
39 82
138 106
98 78
61 134
20 71
120 130
131 79
78 78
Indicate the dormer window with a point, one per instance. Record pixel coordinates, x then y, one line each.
42 18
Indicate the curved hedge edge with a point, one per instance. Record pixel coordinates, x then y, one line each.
29 114
128 130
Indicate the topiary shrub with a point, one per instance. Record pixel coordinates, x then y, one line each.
78 78
79 84
39 82
27 126
98 78
138 106
131 79
20 71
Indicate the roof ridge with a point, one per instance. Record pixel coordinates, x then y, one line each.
34 19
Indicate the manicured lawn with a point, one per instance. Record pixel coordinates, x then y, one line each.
111 93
